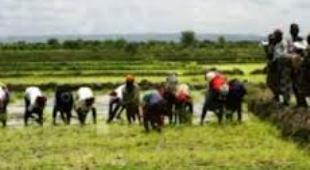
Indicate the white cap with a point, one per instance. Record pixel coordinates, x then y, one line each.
210 75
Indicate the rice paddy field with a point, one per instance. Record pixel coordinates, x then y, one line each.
254 144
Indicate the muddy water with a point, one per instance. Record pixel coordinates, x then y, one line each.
16 111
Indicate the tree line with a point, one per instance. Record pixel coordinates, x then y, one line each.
188 39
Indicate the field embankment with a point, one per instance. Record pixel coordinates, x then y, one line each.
293 122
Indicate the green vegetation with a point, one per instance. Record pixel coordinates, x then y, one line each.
252 145
106 62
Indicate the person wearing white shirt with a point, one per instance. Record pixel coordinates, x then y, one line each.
115 103
4 100
34 104
284 67
84 103
296 48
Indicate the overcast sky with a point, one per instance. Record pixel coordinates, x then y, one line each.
46 17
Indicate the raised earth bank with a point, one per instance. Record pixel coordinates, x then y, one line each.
293 122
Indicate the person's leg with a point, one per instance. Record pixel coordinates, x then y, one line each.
204 111
300 98
220 114
208 99
128 114
40 117
63 116
27 113
137 113
239 112
54 115
287 84
80 117
94 112
113 106
121 110
146 118
69 115
170 112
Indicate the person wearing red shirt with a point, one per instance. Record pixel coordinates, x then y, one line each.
215 96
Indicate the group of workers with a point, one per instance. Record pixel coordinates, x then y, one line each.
175 101
288 66
171 99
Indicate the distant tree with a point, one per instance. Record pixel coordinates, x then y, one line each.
205 43
53 42
120 43
132 48
188 38
73 44
221 41
21 45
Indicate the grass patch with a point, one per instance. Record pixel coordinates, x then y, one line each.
252 145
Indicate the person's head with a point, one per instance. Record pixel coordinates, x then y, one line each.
278 36
89 102
41 101
113 94
271 39
130 80
294 30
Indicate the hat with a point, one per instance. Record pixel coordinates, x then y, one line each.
210 75
130 78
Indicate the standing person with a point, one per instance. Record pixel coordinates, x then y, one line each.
131 99
284 67
115 103
304 78
215 96
292 50
272 76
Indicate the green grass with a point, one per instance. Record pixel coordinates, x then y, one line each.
246 68
252 145
41 80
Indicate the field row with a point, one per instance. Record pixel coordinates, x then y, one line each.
201 56
102 82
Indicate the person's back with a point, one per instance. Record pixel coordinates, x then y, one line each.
236 90
84 93
152 97
217 82
183 93
84 99
131 94
32 94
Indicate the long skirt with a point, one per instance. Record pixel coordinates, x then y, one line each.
272 77
284 67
